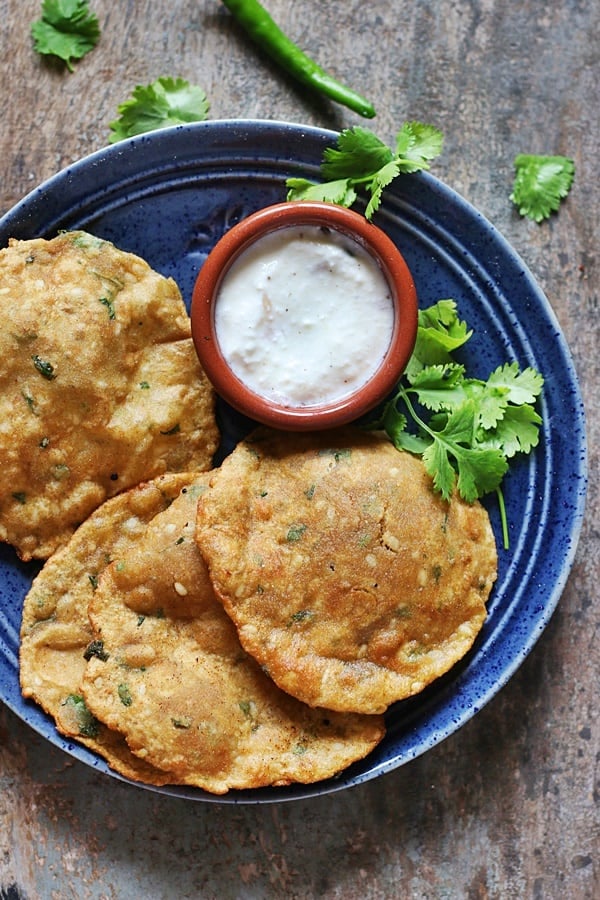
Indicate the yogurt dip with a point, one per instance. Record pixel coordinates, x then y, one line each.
304 316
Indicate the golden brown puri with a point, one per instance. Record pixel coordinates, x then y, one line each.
100 387
172 677
55 630
348 579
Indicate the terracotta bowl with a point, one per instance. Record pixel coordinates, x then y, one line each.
376 386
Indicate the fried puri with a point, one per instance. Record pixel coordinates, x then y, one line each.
100 387
348 579
172 677
56 635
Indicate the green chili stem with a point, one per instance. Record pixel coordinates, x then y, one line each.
259 25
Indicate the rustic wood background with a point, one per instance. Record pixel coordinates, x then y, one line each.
507 807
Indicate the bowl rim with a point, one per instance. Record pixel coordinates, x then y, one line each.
265 221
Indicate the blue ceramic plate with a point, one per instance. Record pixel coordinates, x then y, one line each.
169 196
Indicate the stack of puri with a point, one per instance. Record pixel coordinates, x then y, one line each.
249 626
224 628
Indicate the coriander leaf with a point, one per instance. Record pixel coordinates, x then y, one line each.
439 332
66 29
413 443
358 153
360 160
416 143
440 387
460 424
330 192
540 184
521 387
295 532
480 469
442 315
438 465
125 694
166 101
491 401
382 178
86 722
394 423
468 429
516 432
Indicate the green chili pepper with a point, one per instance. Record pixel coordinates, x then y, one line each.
259 25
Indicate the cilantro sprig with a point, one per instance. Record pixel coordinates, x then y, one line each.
541 184
166 101
361 161
465 429
67 30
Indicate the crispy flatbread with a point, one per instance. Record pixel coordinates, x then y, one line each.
348 579
55 630
174 680
100 387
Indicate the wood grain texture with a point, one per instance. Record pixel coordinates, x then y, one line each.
508 806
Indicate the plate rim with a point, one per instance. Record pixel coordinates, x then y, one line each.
431 182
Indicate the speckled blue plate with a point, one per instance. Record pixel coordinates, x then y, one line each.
169 196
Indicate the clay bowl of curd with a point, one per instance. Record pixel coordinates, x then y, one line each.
304 316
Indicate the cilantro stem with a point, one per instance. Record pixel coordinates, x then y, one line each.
475 427
503 518
403 394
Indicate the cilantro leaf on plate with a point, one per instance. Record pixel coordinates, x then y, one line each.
440 386
166 101
381 179
358 153
541 183
521 387
67 29
361 161
517 431
455 459
416 143
466 429
337 191
440 332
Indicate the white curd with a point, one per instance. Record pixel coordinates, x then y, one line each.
304 316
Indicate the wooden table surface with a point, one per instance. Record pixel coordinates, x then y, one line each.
508 806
